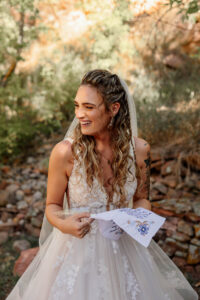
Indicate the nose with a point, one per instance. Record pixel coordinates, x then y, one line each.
80 112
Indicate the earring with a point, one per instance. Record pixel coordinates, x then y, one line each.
110 125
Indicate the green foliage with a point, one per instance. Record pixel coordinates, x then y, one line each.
15 33
8 257
160 126
17 133
39 101
169 109
109 37
191 7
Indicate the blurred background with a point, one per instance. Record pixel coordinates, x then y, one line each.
46 47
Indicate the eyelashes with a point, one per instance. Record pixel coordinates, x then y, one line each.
87 107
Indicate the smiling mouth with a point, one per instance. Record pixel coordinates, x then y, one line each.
85 124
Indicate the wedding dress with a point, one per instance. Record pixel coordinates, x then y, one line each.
97 268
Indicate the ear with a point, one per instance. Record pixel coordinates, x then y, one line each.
115 108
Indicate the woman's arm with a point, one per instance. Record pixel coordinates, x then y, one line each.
143 159
60 166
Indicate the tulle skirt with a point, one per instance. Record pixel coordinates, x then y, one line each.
96 268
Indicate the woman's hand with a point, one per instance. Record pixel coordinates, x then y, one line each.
77 225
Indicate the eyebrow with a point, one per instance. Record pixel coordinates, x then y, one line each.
85 103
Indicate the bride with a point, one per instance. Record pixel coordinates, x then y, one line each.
100 165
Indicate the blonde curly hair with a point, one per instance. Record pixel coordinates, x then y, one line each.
111 90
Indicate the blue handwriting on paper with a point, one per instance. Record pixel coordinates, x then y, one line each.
139 213
116 229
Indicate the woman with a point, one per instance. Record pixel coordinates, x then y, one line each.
100 165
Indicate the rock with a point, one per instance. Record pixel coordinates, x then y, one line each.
8 226
169 250
4 195
169 226
173 220
34 175
162 212
179 261
183 206
160 187
193 255
173 61
37 196
29 199
156 165
195 242
5 216
3 237
5 169
197 268
37 222
30 160
18 217
19 195
3 184
26 186
182 246
155 155
188 269
21 245
192 217
32 230
197 230
26 171
160 235
170 181
190 183
11 189
181 237
180 254
196 208
179 246
24 261
168 168
185 228
160 243
22 205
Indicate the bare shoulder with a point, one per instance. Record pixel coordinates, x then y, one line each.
141 146
61 157
142 150
62 151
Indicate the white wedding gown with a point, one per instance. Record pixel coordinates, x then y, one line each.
96 268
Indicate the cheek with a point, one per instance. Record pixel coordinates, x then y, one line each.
101 120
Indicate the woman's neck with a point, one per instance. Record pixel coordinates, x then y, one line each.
102 142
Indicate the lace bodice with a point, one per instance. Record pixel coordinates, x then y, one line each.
81 195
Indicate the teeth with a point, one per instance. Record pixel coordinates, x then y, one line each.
85 123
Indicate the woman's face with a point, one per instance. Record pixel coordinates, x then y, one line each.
90 111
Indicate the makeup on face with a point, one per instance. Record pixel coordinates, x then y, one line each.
89 110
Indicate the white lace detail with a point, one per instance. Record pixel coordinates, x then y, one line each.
94 227
132 285
103 289
71 273
59 260
115 246
96 196
174 279
167 297
65 281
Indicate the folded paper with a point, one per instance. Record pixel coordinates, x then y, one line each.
140 223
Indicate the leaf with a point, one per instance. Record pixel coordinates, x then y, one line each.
193 7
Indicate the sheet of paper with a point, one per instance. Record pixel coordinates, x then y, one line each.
141 224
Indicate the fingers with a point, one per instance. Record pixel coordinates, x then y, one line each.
84 232
84 225
79 216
